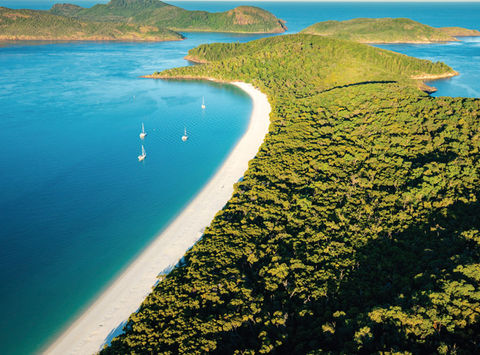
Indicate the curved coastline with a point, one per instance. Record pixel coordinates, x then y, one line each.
427 78
89 332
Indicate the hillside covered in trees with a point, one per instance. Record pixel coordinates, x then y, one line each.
157 13
136 20
330 62
41 25
355 228
387 30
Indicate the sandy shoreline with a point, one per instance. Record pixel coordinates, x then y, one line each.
89 332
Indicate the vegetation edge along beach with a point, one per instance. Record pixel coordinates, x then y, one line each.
110 311
355 228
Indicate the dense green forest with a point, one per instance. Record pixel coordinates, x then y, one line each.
355 228
387 30
326 62
139 20
158 13
41 25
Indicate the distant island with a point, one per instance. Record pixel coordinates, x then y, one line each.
387 30
355 229
140 20
41 25
157 13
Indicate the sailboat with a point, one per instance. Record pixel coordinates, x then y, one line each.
143 156
142 134
185 137
203 103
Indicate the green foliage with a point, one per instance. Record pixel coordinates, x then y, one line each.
115 10
150 20
355 228
31 24
459 32
306 64
380 30
157 13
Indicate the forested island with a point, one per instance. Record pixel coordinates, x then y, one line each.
388 30
41 25
355 228
141 20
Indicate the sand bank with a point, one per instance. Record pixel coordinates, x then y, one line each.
89 332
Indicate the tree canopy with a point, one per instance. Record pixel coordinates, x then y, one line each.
387 30
137 20
158 13
355 228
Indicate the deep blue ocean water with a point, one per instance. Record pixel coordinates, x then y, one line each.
76 206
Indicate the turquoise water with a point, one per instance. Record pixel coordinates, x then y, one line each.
462 56
76 205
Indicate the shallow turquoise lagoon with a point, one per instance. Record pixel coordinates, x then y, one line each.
76 204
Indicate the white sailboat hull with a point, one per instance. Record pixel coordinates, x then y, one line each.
142 133
143 155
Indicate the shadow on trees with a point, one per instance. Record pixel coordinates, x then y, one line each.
360 84
399 271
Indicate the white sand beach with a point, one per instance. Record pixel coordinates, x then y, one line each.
90 331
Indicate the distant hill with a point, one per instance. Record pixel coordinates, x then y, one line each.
115 10
386 30
41 25
459 32
130 20
65 9
157 13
